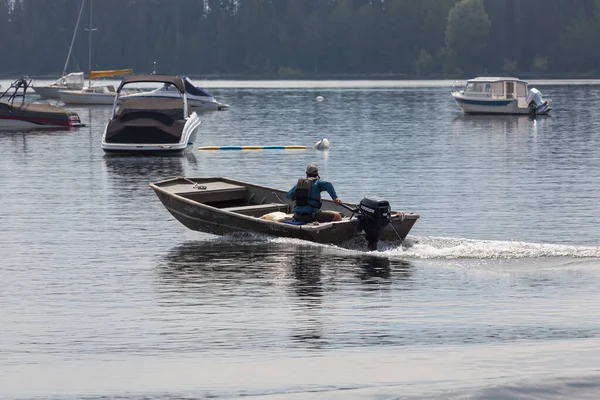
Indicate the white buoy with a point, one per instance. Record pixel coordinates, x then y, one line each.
320 98
322 144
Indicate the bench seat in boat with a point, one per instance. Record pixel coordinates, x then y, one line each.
257 210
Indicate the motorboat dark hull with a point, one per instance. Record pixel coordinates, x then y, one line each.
223 206
22 116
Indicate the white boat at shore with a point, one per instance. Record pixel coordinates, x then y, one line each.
491 95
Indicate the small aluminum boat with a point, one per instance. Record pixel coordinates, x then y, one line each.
221 206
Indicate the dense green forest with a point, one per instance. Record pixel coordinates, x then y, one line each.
306 38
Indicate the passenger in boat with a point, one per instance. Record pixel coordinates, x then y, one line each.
307 195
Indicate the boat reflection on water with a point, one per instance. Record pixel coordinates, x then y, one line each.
304 287
514 125
301 266
138 171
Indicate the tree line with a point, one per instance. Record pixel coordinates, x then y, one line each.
306 38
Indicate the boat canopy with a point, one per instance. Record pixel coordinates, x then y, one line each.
109 73
496 87
493 79
168 79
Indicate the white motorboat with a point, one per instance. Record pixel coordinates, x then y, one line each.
198 99
150 125
488 95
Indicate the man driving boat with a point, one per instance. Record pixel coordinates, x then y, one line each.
307 195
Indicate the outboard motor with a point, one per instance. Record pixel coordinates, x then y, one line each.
374 213
537 105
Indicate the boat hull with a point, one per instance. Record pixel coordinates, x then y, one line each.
48 92
26 116
9 124
475 106
72 97
204 218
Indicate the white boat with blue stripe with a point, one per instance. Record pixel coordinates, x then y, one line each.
490 95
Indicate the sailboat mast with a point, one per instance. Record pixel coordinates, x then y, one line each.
90 29
73 39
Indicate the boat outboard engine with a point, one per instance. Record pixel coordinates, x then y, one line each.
374 213
537 105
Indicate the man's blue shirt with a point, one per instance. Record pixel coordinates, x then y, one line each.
316 187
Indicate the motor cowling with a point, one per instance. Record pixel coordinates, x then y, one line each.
536 103
375 213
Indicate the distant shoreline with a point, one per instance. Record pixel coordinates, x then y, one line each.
346 77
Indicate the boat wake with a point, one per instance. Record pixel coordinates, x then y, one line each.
456 248
443 248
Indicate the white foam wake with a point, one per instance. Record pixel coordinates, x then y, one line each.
432 247
455 248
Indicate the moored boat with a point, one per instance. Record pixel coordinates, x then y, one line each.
72 81
94 95
490 95
18 114
198 99
221 205
153 125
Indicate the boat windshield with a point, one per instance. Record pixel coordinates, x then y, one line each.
189 88
194 90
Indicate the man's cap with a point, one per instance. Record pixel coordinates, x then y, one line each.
312 170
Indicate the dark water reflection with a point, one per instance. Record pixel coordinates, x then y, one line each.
302 268
310 284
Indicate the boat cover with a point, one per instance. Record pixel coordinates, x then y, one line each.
109 73
142 120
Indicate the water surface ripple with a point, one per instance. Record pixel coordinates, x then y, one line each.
494 294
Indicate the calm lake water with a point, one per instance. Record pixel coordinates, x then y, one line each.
103 294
